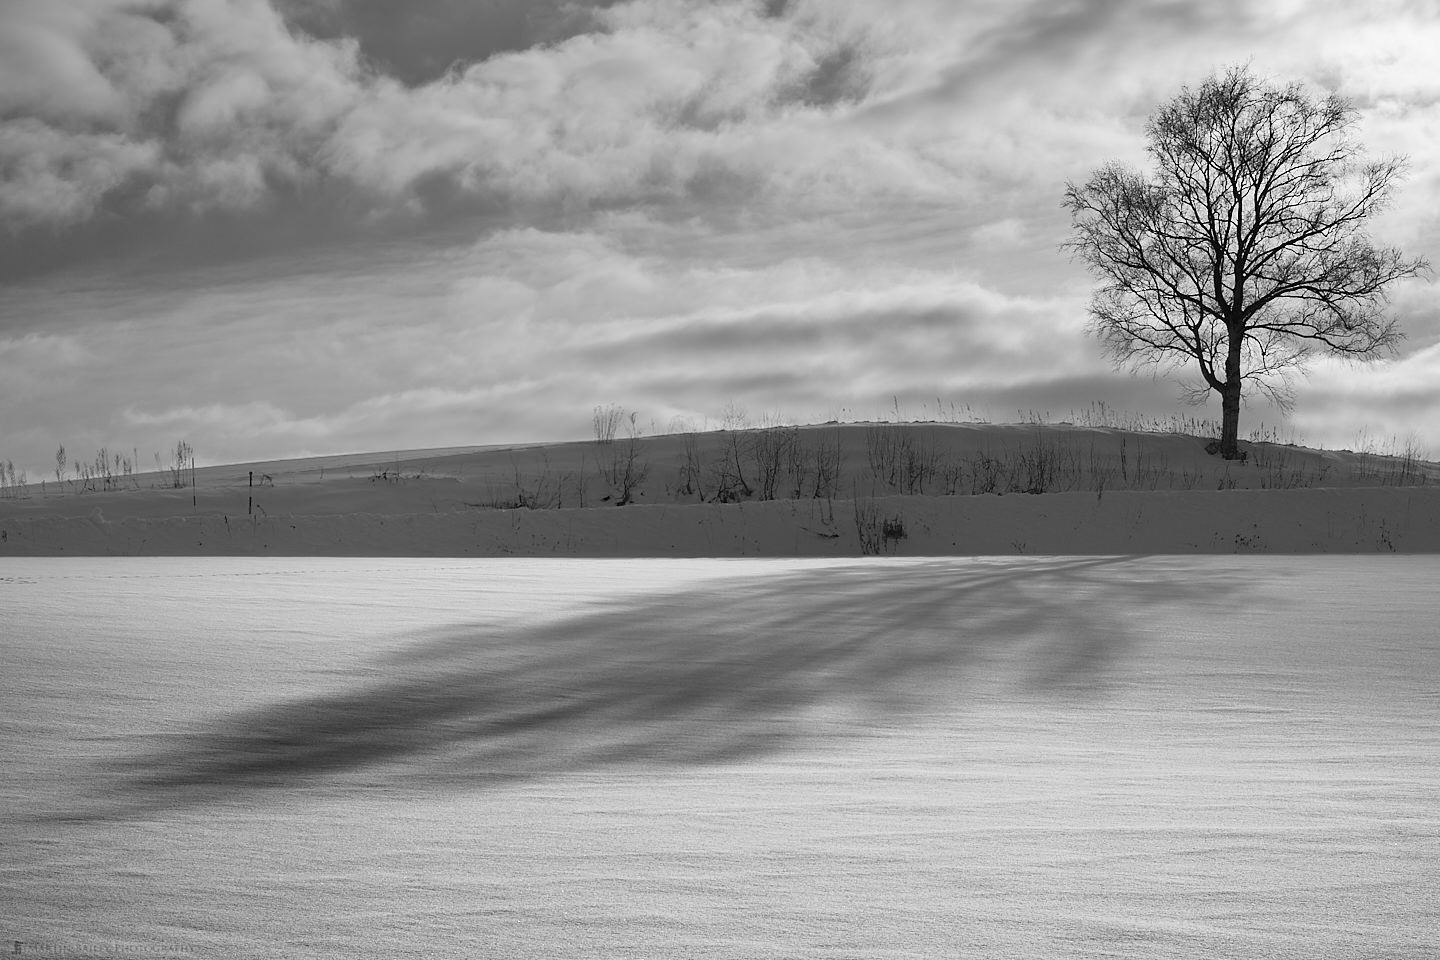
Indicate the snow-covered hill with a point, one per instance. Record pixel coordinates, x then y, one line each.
826 490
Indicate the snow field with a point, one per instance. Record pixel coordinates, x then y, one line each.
1068 757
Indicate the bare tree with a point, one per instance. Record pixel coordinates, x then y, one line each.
1246 252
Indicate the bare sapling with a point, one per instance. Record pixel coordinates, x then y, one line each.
950 474
867 522
770 447
877 531
1034 470
181 458
920 463
986 473
102 472
9 487
885 452
826 460
797 466
627 472
728 472
606 420
541 494
691 470
581 483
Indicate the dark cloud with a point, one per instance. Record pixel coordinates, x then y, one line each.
710 389
419 41
840 76
770 333
164 241
1066 396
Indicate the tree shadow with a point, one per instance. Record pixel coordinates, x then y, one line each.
715 674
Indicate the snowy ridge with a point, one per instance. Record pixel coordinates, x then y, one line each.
833 490
1385 520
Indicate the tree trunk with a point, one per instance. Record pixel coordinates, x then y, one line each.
1230 402
1230 422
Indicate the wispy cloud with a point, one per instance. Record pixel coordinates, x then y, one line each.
524 331
1397 399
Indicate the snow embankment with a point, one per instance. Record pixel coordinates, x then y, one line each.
1318 520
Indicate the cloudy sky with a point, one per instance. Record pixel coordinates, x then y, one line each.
280 227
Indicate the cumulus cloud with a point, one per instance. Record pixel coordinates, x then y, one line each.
129 104
54 176
216 102
155 102
668 100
